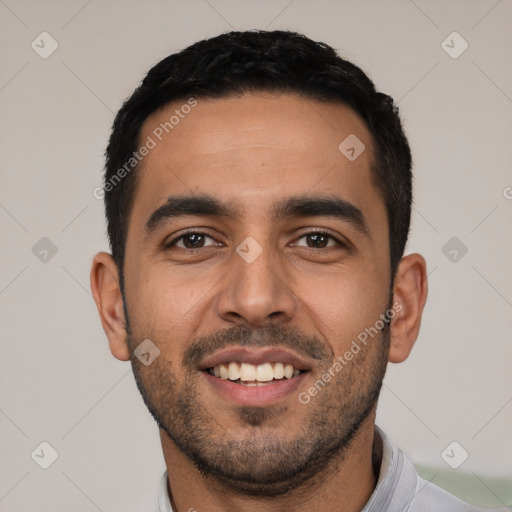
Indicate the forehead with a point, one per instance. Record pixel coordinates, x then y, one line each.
253 149
276 121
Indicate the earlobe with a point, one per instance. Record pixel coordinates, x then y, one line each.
409 296
107 295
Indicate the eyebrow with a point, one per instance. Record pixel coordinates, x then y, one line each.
204 205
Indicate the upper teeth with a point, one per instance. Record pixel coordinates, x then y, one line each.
249 372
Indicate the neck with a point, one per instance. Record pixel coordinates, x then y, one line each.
345 484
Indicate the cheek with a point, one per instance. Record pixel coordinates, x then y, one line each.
347 304
164 305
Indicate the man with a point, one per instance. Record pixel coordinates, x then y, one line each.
258 197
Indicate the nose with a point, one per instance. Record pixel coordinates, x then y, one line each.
257 292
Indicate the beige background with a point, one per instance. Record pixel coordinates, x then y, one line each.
58 380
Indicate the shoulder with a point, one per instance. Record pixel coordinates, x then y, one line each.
401 489
429 497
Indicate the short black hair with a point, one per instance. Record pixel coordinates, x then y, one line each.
238 63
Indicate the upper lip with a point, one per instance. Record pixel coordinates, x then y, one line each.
255 356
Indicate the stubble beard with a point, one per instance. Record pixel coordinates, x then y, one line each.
256 462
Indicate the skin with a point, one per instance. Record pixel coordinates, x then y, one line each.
300 294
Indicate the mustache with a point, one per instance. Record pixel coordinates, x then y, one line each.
273 335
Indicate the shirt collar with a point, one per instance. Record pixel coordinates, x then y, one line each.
164 501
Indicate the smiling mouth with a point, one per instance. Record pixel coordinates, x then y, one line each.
247 374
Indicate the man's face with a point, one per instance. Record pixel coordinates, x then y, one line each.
258 285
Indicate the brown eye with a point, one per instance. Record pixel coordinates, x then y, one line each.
319 240
192 240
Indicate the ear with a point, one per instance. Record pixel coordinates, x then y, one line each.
107 295
409 296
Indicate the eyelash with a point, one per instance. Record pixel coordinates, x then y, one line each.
173 242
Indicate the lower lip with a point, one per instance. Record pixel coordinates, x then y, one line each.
254 395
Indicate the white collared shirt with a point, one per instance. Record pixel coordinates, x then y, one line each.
399 488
